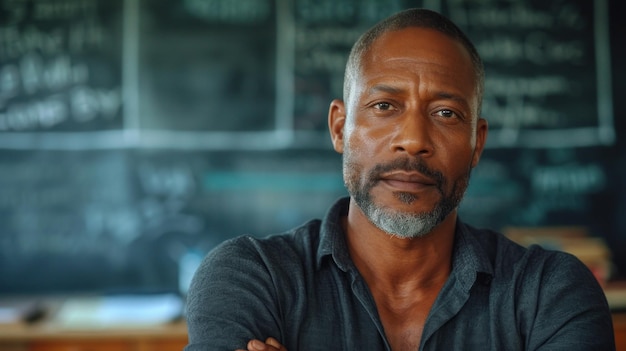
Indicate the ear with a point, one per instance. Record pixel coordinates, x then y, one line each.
481 138
336 123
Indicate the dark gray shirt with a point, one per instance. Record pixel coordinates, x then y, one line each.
302 288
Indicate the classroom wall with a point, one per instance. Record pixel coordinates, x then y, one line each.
133 132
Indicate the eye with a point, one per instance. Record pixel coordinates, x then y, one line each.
383 106
446 113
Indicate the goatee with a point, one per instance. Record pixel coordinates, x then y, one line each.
393 221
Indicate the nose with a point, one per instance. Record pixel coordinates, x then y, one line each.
413 135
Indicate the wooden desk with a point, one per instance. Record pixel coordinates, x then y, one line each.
44 337
162 338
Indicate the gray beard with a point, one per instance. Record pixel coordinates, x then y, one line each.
401 224
397 223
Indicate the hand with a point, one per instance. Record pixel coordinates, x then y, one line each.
270 344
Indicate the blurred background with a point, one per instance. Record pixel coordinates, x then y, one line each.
136 135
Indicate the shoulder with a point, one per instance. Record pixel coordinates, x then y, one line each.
534 269
272 255
560 302
297 241
274 266
553 296
258 273
506 255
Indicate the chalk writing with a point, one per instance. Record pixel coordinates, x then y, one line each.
573 179
313 11
240 12
15 43
170 180
48 80
534 47
61 9
541 66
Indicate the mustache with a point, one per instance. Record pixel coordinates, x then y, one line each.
407 165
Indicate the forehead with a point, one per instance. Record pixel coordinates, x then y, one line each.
408 47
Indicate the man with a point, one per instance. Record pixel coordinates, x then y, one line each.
392 267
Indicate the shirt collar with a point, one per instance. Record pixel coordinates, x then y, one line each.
470 261
332 237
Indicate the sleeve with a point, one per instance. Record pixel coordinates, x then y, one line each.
571 311
231 299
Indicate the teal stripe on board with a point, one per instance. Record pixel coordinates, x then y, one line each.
222 181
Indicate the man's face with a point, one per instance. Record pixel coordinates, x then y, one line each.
411 134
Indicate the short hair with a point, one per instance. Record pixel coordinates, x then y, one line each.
419 18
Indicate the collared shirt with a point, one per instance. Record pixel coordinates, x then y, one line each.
302 288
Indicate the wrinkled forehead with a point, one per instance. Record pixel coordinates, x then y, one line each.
420 45
411 49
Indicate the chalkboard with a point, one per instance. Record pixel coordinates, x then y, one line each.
133 131
548 74
103 220
61 70
220 53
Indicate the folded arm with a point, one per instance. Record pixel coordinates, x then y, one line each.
232 300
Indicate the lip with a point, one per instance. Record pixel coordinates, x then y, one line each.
408 181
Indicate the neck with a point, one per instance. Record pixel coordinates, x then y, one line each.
396 265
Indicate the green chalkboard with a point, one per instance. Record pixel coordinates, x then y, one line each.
134 131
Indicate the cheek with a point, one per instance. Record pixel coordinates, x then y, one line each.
457 155
368 142
358 144
461 172
358 159
352 171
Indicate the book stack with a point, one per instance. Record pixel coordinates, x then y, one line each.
592 251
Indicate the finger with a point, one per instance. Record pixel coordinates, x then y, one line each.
257 345
273 342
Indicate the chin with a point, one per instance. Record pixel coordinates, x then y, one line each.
413 204
405 197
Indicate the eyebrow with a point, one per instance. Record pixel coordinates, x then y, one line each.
395 90
451 96
385 89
